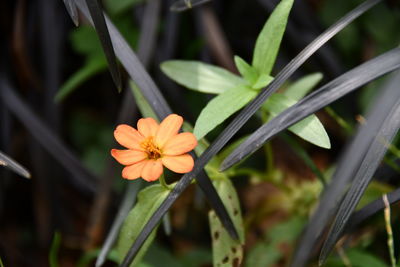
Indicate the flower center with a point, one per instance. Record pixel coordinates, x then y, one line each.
153 151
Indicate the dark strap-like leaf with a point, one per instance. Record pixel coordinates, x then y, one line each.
240 120
133 66
126 205
315 101
382 125
8 162
320 98
81 177
100 25
369 210
72 11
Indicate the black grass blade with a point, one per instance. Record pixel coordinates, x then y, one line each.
183 5
133 66
80 177
320 98
382 125
152 94
212 197
100 25
369 210
240 120
147 41
72 11
126 205
11 164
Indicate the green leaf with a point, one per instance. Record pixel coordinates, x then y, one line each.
144 107
54 249
149 199
267 252
87 258
91 68
310 128
247 71
263 254
360 258
220 108
269 40
118 6
84 41
226 251
262 81
201 77
301 87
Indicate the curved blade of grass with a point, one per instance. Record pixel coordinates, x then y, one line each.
8 162
72 11
100 25
124 208
384 122
241 119
320 98
81 177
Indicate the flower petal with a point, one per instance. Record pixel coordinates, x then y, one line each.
128 157
152 170
147 127
180 144
180 164
128 137
133 171
169 127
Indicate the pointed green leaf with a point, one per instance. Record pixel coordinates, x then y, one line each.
91 68
201 77
226 251
54 250
262 81
220 108
149 199
144 106
269 40
310 128
247 71
301 87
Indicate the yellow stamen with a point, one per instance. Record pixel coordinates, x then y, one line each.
152 150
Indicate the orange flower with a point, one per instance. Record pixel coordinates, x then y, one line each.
152 146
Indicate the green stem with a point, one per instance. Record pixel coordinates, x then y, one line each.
389 230
270 159
268 150
164 183
339 120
